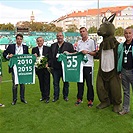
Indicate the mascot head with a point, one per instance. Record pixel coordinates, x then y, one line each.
107 28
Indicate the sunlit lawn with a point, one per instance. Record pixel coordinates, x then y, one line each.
58 117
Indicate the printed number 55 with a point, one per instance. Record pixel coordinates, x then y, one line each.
71 61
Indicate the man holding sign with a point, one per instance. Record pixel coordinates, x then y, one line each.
16 49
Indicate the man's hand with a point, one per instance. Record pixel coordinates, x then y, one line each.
84 51
10 55
35 54
47 65
66 52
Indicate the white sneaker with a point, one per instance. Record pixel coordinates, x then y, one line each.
123 112
2 105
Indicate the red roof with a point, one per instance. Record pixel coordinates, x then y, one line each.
93 12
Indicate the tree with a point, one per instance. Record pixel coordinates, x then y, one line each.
59 29
72 28
8 26
92 30
36 26
119 31
51 28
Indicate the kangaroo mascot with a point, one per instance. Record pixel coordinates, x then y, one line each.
108 82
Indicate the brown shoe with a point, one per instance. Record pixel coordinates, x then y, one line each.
123 112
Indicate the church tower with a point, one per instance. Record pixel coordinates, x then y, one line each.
32 17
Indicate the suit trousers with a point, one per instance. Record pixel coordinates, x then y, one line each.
57 74
14 89
44 82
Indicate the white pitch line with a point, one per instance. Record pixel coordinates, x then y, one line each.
6 81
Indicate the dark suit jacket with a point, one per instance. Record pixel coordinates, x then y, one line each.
46 52
66 46
11 50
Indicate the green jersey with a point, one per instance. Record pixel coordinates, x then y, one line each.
72 66
24 68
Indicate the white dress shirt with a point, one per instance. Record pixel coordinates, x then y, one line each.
19 49
40 50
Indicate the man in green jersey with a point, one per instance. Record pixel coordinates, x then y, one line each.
16 49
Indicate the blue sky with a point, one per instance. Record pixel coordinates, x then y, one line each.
47 10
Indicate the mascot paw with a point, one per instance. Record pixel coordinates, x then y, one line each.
117 108
103 105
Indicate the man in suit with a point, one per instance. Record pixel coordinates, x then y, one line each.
43 74
14 49
59 47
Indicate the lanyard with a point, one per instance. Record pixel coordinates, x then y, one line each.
59 49
127 51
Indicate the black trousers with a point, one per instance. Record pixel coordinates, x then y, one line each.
14 89
57 74
44 82
88 76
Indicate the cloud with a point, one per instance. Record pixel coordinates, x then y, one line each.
62 7
45 10
13 15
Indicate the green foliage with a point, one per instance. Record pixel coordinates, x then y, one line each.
52 28
38 26
8 26
58 117
92 30
72 28
34 26
59 29
119 31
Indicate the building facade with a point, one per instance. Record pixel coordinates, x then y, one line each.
93 17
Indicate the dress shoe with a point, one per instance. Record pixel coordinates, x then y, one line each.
66 99
14 102
22 100
47 101
42 99
55 99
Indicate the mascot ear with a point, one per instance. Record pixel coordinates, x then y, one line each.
104 19
111 18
